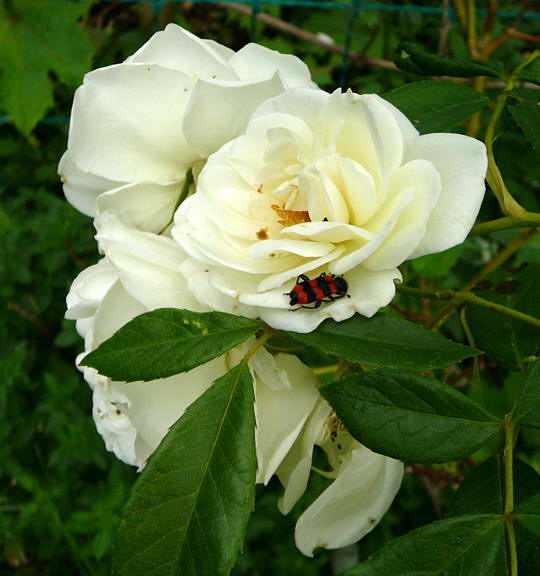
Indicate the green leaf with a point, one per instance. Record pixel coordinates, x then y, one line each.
531 73
483 492
409 416
464 546
437 265
527 410
385 341
168 341
188 511
505 340
436 106
527 515
414 58
38 37
527 116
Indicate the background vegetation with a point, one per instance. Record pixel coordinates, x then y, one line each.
60 491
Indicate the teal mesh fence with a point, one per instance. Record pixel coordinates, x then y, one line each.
352 13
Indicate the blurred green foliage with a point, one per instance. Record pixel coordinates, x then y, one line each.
60 491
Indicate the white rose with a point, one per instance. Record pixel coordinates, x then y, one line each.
138 127
138 274
339 183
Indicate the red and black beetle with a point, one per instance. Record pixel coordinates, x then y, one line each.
324 288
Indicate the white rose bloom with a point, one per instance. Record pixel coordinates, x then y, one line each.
138 127
339 183
364 486
138 274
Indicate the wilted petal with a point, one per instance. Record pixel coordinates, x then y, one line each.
112 422
266 367
353 504
281 413
296 466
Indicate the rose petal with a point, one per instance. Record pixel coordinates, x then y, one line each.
153 407
281 414
296 466
358 191
299 102
219 111
198 235
327 232
410 227
148 264
380 225
117 308
89 288
348 119
308 249
198 277
145 206
126 124
462 163
112 422
275 280
266 368
407 128
255 61
179 49
82 188
369 291
353 504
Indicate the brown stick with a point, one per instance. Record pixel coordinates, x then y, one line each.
336 48
308 36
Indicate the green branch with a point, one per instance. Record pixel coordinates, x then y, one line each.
498 260
521 220
506 201
462 298
509 429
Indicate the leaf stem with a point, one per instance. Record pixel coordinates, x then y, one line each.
342 368
325 370
509 438
471 27
501 257
506 201
472 343
257 344
491 266
463 298
521 220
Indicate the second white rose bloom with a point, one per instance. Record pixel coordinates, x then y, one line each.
137 127
336 183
